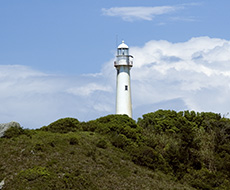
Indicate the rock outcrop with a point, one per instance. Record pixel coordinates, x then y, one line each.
5 126
2 184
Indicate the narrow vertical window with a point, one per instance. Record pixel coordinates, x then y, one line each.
126 87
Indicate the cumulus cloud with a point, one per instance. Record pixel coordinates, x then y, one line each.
197 72
139 13
193 75
35 99
88 89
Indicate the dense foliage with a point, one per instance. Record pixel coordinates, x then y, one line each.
64 125
195 147
162 150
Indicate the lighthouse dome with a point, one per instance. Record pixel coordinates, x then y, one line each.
123 46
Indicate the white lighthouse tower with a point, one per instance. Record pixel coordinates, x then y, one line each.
123 65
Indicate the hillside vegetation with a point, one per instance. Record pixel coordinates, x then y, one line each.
163 150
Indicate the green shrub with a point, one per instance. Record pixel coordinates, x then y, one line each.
77 181
14 132
146 156
73 141
120 141
63 125
34 173
204 179
39 147
120 124
160 121
117 122
102 128
89 126
102 144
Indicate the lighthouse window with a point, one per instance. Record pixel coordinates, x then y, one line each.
126 87
123 51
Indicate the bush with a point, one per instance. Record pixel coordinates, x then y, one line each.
117 122
204 179
102 144
146 156
89 126
13 132
39 147
73 141
120 141
120 124
63 125
160 121
34 173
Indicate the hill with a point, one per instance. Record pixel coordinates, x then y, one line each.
162 150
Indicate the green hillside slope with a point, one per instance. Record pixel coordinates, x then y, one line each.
163 150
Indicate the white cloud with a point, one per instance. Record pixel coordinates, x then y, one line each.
188 19
35 99
88 89
188 75
139 13
196 71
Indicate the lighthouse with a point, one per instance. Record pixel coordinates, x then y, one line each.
123 66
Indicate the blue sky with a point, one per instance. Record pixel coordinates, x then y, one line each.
56 57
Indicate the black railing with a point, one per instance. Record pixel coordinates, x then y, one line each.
130 64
